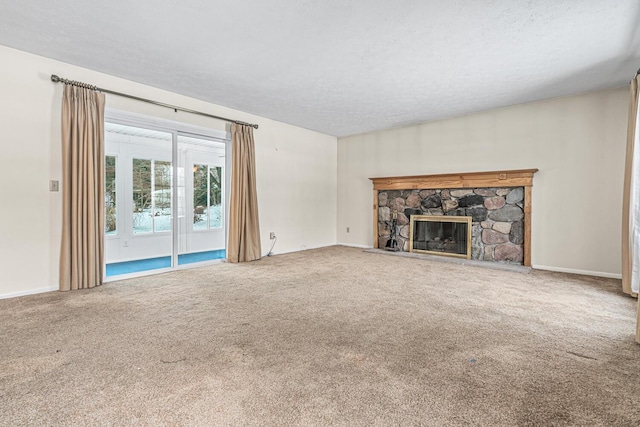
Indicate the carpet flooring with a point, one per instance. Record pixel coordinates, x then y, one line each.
332 336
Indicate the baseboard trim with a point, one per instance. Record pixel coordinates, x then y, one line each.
290 251
575 271
29 292
354 245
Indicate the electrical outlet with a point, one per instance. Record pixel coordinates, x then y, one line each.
347 229
272 235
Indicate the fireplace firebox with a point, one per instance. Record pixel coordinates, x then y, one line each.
441 235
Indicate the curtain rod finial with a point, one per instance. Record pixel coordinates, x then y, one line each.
55 78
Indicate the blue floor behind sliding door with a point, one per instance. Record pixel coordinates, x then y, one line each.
128 267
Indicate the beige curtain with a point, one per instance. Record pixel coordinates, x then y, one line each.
81 251
628 221
631 203
244 229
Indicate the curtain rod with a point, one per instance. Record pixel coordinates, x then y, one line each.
57 79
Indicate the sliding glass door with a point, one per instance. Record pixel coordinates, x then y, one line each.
165 199
202 199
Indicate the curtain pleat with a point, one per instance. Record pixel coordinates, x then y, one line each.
81 249
244 228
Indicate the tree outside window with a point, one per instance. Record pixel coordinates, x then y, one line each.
207 197
151 196
110 223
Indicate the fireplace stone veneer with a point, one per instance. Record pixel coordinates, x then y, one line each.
499 204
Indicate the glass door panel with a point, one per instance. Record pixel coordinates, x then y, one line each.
138 199
201 199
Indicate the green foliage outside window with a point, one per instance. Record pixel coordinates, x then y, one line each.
207 196
110 194
151 195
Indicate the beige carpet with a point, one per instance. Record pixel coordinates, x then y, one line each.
333 336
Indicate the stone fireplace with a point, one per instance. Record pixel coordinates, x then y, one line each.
497 205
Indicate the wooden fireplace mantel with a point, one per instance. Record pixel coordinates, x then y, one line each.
513 178
508 178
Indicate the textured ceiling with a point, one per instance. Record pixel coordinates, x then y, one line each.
342 67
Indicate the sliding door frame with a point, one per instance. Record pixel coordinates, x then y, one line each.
175 128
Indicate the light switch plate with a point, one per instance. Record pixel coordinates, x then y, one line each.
54 185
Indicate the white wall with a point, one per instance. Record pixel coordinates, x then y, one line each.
577 142
296 168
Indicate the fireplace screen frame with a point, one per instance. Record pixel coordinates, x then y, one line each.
441 218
